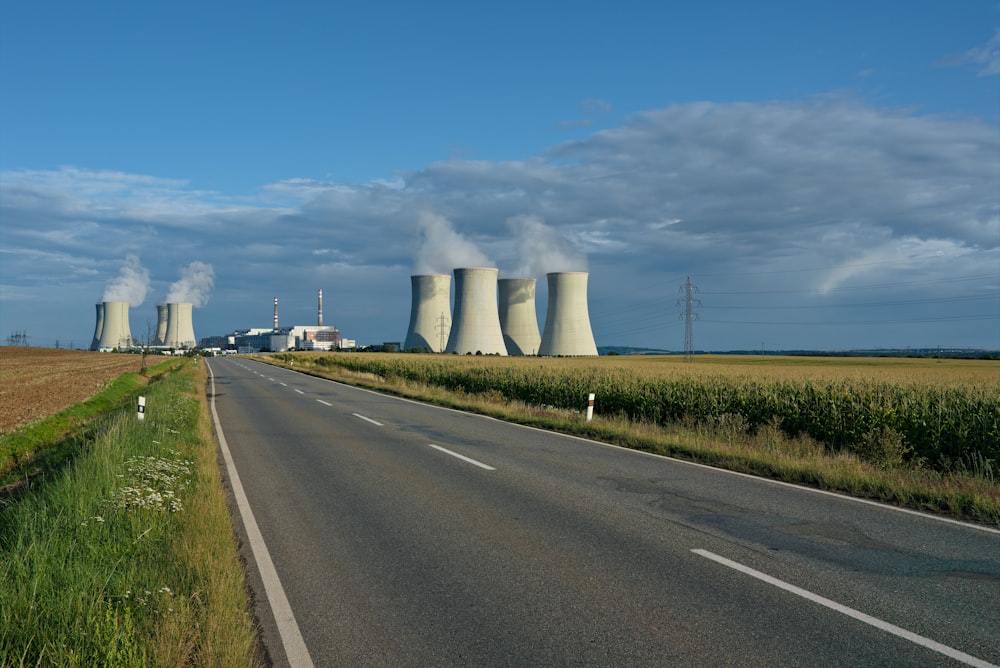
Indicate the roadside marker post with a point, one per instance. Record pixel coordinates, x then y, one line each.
142 408
590 407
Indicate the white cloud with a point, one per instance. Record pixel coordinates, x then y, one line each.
830 191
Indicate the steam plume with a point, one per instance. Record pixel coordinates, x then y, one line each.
541 249
443 249
130 285
194 285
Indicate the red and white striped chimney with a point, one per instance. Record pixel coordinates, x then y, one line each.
276 312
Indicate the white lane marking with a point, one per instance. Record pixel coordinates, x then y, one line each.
950 652
288 629
300 391
323 402
462 457
284 384
271 379
642 453
367 419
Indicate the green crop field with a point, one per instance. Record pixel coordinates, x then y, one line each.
934 412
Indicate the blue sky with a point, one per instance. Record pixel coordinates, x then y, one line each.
827 174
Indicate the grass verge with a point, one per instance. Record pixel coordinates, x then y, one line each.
26 452
126 555
725 441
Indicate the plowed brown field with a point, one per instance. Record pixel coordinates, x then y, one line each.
38 382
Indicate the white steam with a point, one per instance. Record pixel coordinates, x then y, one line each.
442 249
130 285
194 286
541 249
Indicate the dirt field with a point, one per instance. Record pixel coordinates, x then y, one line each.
38 382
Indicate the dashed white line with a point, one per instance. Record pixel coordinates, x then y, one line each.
462 457
323 402
300 391
367 419
850 612
284 384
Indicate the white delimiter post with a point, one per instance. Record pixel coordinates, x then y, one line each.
567 319
475 326
430 313
590 407
518 320
142 408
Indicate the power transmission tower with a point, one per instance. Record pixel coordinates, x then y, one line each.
442 328
689 316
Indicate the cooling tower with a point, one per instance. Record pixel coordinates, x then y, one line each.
518 320
567 321
161 324
430 313
115 333
98 329
180 328
475 327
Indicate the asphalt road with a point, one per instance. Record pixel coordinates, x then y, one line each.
403 534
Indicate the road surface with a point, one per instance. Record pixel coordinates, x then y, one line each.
385 532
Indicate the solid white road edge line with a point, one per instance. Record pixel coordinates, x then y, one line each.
462 457
367 419
288 628
323 402
950 652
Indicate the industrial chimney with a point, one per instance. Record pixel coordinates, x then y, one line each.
161 325
518 320
567 320
115 333
98 328
319 315
475 326
430 313
180 328
275 312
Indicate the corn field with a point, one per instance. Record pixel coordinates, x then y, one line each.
938 415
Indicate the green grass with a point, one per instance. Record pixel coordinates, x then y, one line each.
125 556
875 462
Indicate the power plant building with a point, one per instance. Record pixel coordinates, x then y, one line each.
115 331
430 313
95 344
161 325
567 319
518 319
475 327
180 327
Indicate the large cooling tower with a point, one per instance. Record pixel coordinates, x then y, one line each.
567 320
98 329
161 324
180 328
475 327
430 313
518 320
116 332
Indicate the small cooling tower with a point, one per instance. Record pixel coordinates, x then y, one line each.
567 320
475 326
430 313
161 324
115 333
180 328
518 320
99 328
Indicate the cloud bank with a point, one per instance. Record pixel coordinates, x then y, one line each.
807 206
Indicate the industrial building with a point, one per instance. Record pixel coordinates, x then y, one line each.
494 316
